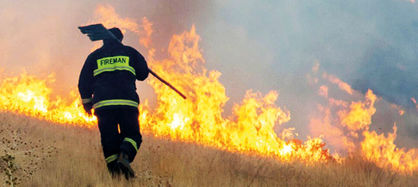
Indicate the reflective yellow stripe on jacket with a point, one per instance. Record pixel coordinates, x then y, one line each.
113 102
108 64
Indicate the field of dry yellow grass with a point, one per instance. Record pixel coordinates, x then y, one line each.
38 153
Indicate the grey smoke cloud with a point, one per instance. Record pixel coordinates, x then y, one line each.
259 45
369 44
267 45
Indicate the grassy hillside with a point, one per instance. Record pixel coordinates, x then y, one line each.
38 153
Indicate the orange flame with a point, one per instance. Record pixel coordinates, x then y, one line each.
199 119
354 120
377 147
360 114
28 95
145 40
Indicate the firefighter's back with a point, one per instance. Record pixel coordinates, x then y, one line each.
116 67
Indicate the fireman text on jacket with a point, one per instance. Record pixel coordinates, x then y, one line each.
113 63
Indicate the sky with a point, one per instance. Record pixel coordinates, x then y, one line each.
260 45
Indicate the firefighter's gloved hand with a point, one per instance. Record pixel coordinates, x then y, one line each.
87 107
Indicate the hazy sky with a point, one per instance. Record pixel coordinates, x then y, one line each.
260 45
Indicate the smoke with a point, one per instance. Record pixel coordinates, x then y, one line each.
265 45
260 45
350 39
41 37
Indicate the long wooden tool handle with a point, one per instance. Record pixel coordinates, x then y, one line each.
166 83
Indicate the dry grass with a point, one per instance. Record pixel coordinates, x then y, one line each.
56 155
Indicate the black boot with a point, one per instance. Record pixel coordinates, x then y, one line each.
114 169
125 167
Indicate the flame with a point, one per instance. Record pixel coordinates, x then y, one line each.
145 39
359 116
377 147
353 120
31 96
200 119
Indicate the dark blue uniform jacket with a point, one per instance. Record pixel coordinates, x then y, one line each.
109 74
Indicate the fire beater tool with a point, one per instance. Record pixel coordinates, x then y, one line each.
99 32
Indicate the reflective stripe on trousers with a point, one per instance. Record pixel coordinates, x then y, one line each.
132 142
113 102
111 158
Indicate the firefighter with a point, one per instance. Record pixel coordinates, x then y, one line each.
107 84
